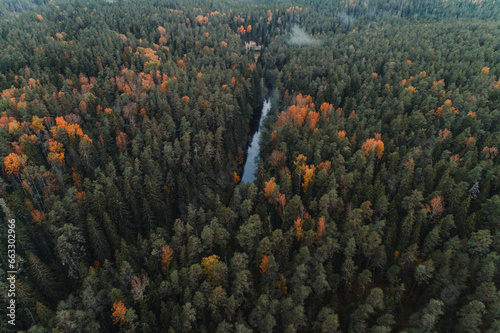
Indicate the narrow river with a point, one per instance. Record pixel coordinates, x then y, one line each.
249 172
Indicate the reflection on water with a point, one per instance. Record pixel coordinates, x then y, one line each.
249 172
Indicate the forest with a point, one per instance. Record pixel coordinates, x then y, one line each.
124 129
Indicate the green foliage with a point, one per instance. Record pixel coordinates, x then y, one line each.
133 118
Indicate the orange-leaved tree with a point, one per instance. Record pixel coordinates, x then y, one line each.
166 257
325 108
321 227
121 142
14 163
263 263
437 205
374 145
456 158
326 165
56 154
490 152
269 188
118 313
313 118
236 178
445 108
281 284
443 134
280 203
308 176
276 158
297 225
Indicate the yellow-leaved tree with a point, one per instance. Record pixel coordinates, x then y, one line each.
208 264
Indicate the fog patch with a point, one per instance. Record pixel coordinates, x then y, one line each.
346 20
300 37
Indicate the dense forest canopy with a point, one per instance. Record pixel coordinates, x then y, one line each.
124 127
12 7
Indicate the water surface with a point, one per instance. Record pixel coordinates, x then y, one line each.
249 172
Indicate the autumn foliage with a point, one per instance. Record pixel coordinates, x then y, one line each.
269 189
281 284
326 165
37 216
118 313
276 158
5 121
374 145
309 176
56 154
436 206
13 127
139 284
300 162
321 227
326 108
297 225
443 134
469 140
148 53
302 111
73 130
121 142
14 163
162 30
305 171
490 152
236 178
166 257
171 107
181 64
456 158
263 263
208 264
80 197
280 203
445 109
201 19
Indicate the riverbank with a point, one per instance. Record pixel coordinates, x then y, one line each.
253 151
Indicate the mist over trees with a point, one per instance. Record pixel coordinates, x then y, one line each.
298 36
124 128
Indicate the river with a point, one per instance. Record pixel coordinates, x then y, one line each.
249 172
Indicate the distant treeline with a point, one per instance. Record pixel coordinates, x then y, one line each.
8 7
